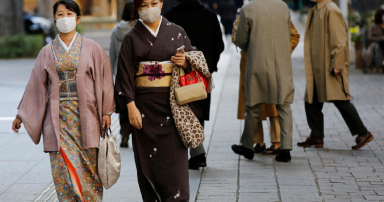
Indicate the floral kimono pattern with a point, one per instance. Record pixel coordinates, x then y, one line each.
74 169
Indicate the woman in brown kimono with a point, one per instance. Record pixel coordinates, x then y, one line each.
146 61
69 97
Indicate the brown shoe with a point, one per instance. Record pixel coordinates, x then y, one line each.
317 142
363 140
272 151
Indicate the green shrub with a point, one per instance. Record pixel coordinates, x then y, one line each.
21 46
357 38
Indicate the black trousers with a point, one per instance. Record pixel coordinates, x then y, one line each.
315 117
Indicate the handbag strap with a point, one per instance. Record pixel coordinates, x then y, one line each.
106 132
197 75
182 72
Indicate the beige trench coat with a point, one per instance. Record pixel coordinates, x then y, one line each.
328 49
267 110
268 75
39 107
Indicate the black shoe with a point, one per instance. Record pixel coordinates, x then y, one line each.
124 143
271 151
259 149
199 161
284 156
241 150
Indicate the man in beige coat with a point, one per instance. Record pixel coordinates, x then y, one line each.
327 69
264 33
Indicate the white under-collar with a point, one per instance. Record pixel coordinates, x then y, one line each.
67 48
150 30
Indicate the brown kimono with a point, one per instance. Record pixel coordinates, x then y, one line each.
161 158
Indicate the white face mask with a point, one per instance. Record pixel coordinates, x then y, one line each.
66 24
150 14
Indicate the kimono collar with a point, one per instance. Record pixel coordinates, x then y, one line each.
67 48
150 30
323 4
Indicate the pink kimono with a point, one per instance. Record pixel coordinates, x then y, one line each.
68 94
39 108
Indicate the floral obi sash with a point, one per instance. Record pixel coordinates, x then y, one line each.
154 74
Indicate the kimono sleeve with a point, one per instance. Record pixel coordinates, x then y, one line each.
33 105
187 42
107 87
338 36
125 83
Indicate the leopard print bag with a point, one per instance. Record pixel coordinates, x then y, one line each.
187 124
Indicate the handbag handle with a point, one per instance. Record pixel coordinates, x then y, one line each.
106 132
197 75
193 69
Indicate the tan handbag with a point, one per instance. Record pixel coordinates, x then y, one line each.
191 93
109 160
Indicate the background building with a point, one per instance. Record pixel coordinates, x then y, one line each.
96 8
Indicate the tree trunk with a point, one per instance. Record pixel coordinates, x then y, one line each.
46 8
120 8
11 17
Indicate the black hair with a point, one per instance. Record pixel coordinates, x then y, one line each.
379 16
70 4
127 12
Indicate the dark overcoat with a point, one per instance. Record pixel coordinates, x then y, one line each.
203 28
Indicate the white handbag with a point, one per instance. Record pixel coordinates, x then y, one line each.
109 160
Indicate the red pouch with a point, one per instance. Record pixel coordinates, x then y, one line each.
191 78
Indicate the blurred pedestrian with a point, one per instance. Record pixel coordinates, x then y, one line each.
267 110
147 75
239 3
69 98
264 33
209 3
227 11
193 16
118 34
375 50
168 4
117 37
327 71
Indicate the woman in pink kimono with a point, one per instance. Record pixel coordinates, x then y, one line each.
70 99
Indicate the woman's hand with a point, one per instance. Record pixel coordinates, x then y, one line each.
180 60
135 118
106 122
16 125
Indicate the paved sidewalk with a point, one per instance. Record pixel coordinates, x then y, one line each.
334 173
